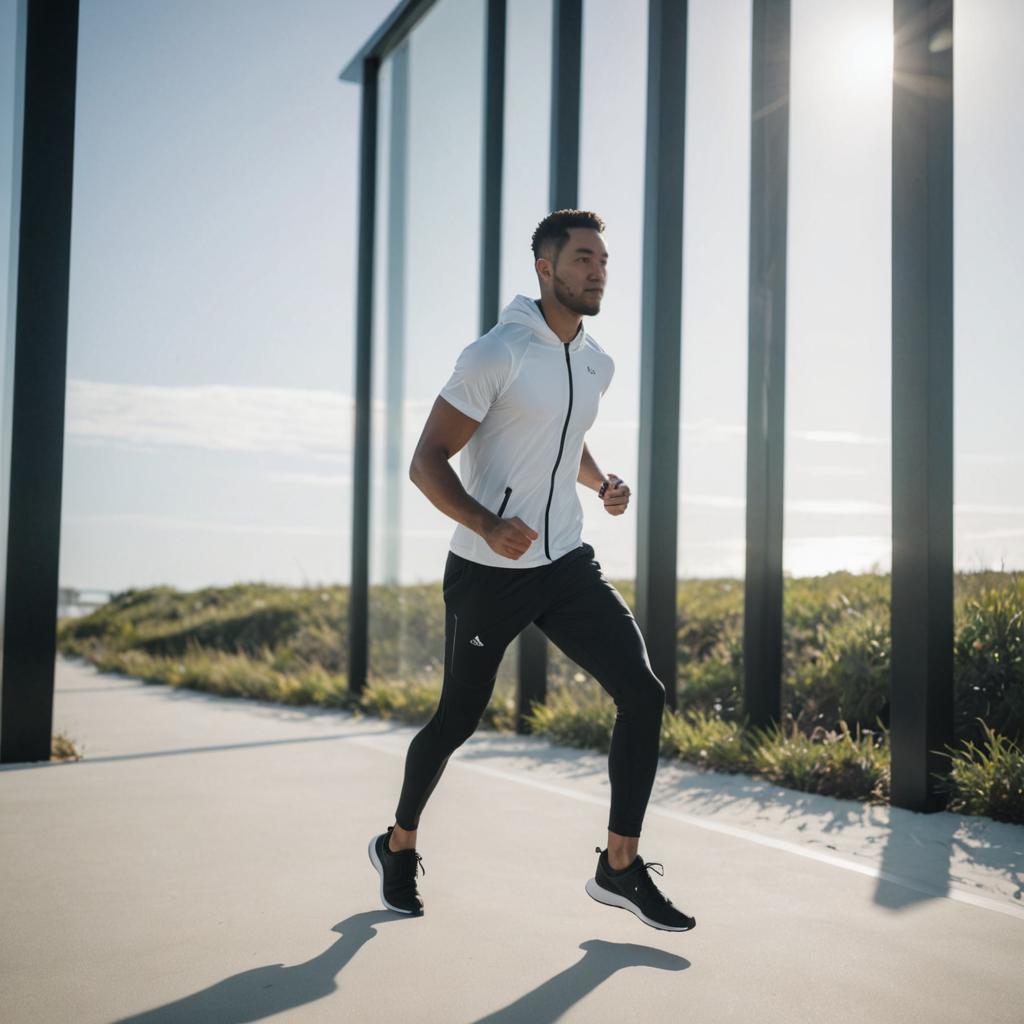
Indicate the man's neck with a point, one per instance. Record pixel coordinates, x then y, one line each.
564 322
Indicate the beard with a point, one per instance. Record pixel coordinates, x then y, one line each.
584 303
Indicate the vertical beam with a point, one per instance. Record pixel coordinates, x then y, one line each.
563 186
358 596
566 64
766 361
493 157
389 515
661 329
922 400
44 165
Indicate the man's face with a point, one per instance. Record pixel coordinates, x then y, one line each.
581 272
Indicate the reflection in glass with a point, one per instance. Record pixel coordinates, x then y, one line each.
425 313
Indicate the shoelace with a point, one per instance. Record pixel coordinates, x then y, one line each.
651 888
408 884
419 859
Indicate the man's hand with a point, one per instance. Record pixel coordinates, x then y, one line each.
509 537
616 498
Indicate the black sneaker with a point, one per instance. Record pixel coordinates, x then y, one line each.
634 890
397 875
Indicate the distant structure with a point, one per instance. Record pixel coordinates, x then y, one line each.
72 601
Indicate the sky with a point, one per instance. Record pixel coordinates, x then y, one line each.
211 321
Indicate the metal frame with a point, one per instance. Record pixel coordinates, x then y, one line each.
46 69
922 350
493 164
358 602
921 717
566 67
661 343
766 361
392 32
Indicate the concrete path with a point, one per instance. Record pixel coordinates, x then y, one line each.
206 861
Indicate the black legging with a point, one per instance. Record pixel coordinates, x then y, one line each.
580 611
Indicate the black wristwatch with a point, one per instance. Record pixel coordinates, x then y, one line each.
603 488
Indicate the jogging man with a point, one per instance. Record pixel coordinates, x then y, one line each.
517 405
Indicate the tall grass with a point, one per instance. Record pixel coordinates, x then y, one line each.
290 645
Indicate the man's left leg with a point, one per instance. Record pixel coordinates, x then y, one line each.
589 621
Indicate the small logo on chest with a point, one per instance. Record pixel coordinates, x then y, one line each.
591 370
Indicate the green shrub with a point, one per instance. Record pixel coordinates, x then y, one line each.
572 721
833 763
988 658
705 740
989 780
290 645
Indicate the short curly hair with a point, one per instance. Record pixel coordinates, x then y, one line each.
554 229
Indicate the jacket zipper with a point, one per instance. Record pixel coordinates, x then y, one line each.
561 445
504 501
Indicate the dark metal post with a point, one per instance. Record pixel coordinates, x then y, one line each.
46 69
493 156
563 178
388 516
921 716
661 329
766 361
566 65
358 588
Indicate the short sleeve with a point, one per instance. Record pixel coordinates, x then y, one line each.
480 374
611 373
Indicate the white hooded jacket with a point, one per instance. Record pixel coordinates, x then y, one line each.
535 398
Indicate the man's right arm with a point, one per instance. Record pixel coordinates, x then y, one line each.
444 434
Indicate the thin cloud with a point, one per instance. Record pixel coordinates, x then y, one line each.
313 479
204 525
291 421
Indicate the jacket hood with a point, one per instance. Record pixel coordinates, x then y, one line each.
524 310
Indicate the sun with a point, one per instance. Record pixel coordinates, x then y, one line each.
863 58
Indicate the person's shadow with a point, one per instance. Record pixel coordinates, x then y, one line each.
264 991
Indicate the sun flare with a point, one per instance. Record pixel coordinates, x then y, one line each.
864 58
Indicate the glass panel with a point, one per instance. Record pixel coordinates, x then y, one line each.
839 327
838 459
613 108
527 148
426 312
525 160
713 389
988 416
611 183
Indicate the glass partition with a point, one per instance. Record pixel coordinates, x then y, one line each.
613 95
988 224
837 545
425 312
988 367
713 387
527 147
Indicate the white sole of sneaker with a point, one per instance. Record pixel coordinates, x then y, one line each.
611 899
375 861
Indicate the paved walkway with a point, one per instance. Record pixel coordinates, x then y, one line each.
206 861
